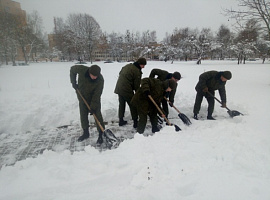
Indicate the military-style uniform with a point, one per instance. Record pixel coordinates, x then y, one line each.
143 103
91 90
127 84
164 75
212 81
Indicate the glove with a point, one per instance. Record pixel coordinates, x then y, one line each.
205 89
171 104
75 86
223 105
146 93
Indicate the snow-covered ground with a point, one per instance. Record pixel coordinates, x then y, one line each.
224 159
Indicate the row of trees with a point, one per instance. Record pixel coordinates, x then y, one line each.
76 38
189 44
80 37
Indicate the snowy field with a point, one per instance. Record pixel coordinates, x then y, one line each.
225 159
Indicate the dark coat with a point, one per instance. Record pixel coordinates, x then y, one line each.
211 79
89 88
129 80
164 75
155 86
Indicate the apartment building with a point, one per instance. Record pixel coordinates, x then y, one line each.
14 8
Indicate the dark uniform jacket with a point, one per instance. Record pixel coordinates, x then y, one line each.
163 75
155 86
129 80
90 89
211 79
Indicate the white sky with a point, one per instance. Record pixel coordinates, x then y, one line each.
162 16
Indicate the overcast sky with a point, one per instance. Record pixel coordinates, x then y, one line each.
162 16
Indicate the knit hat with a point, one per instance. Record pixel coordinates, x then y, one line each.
172 84
141 61
176 75
94 70
227 75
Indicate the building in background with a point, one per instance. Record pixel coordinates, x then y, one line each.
14 8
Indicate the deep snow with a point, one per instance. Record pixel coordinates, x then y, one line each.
224 159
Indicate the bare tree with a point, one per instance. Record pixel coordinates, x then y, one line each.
36 41
30 36
224 40
246 41
258 10
84 32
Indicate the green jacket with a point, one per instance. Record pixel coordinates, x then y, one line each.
211 79
163 75
129 80
90 89
155 86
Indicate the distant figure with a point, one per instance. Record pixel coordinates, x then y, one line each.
199 61
128 82
209 82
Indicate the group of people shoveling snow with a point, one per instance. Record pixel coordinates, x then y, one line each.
143 96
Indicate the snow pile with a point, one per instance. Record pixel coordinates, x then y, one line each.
223 159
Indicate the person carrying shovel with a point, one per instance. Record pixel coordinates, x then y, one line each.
150 89
208 83
90 86
165 75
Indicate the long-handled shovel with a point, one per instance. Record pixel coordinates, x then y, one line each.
110 138
182 116
177 128
232 113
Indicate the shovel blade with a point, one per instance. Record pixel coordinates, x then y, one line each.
177 128
111 140
184 118
234 113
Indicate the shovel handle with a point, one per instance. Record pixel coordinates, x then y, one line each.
99 124
218 100
160 111
173 106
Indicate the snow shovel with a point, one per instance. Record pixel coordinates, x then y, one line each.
177 128
110 138
182 116
232 113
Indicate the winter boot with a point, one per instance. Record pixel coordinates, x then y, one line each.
122 122
195 116
155 129
135 124
84 136
100 138
209 117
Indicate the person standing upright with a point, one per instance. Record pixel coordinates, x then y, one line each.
90 84
208 83
164 75
128 82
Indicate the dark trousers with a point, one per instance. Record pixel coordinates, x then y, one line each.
144 109
122 107
84 113
198 102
